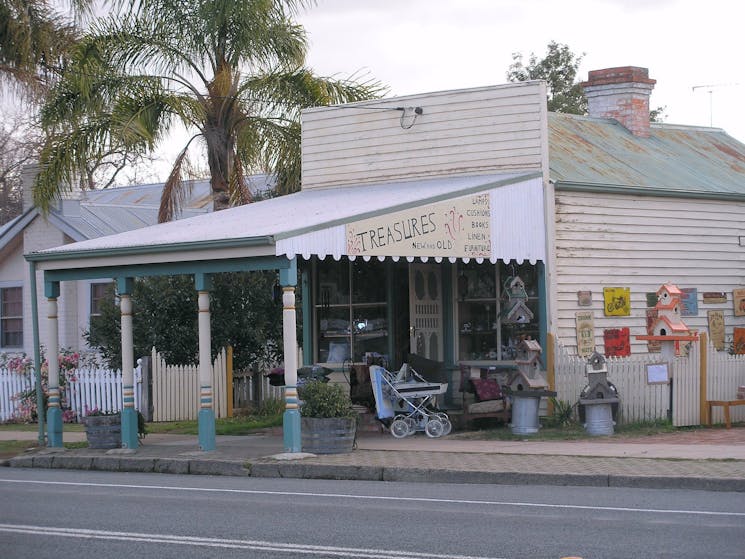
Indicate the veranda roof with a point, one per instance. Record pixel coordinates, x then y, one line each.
312 222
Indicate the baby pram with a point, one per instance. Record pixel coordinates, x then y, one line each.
405 402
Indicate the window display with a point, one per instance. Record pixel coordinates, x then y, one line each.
485 330
351 310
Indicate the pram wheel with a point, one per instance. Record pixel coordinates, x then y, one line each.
399 428
434 428
447 425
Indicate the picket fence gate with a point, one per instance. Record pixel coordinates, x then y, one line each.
176 388
640 401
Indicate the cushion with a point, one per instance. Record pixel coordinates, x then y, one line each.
492 406
486 389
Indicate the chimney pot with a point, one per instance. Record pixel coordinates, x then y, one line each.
622 94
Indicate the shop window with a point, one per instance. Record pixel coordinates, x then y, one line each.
351 310
11 317
483 332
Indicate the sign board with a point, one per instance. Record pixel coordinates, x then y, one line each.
689 301
738 341
653 346
738 296
658 373
584 298
617 301
617 342
455 228
585 333
716 328
714 297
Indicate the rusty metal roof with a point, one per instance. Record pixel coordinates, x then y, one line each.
682 160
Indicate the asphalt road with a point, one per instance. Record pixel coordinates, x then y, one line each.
58 513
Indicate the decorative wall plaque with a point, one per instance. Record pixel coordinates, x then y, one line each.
584 298
689 301
617 301
738 341
738 296
716 328
651 299
585 333
653 346
714 297
617 342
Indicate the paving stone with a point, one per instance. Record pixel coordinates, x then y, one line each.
171 466
217 468
67 462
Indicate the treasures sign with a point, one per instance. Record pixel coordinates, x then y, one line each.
456 228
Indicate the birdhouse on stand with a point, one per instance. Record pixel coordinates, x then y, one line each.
668 327
515 308
598 397
597 379
528 375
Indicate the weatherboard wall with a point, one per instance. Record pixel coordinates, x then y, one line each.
474 131
607 240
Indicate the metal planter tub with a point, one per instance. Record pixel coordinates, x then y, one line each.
328 435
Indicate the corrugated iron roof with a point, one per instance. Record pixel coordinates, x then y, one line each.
596 151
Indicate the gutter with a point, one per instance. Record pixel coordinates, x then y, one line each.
149 249
568 186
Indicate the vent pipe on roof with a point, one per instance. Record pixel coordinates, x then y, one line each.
623 94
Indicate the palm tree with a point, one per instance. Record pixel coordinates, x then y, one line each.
33 41
230 71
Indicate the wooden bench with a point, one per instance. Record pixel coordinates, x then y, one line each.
725 404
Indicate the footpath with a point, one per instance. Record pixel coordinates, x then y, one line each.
708 459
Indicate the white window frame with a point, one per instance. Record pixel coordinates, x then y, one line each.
3 318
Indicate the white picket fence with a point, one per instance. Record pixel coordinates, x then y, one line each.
100 389
176 389
640 401
88 389
12 384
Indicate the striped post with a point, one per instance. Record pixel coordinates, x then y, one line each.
129 414
54 412
206 418
291 417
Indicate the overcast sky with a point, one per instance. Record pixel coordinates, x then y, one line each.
419 46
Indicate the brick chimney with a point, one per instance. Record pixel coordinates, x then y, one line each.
623 94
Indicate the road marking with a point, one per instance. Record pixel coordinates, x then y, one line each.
257 545
375 497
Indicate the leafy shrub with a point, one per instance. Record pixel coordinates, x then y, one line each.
322 399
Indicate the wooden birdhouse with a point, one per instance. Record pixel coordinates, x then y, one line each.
515 309
528 375
668 328
597 379
668 321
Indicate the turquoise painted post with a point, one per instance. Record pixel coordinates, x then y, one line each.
130 439
291 417
206 418
37 352
54 413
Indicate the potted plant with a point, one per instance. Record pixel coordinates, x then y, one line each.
103 429
328 422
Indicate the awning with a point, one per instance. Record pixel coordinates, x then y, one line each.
323 222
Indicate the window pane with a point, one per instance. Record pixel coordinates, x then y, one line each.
99 292
12 301
11 317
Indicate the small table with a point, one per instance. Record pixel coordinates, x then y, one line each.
725 406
